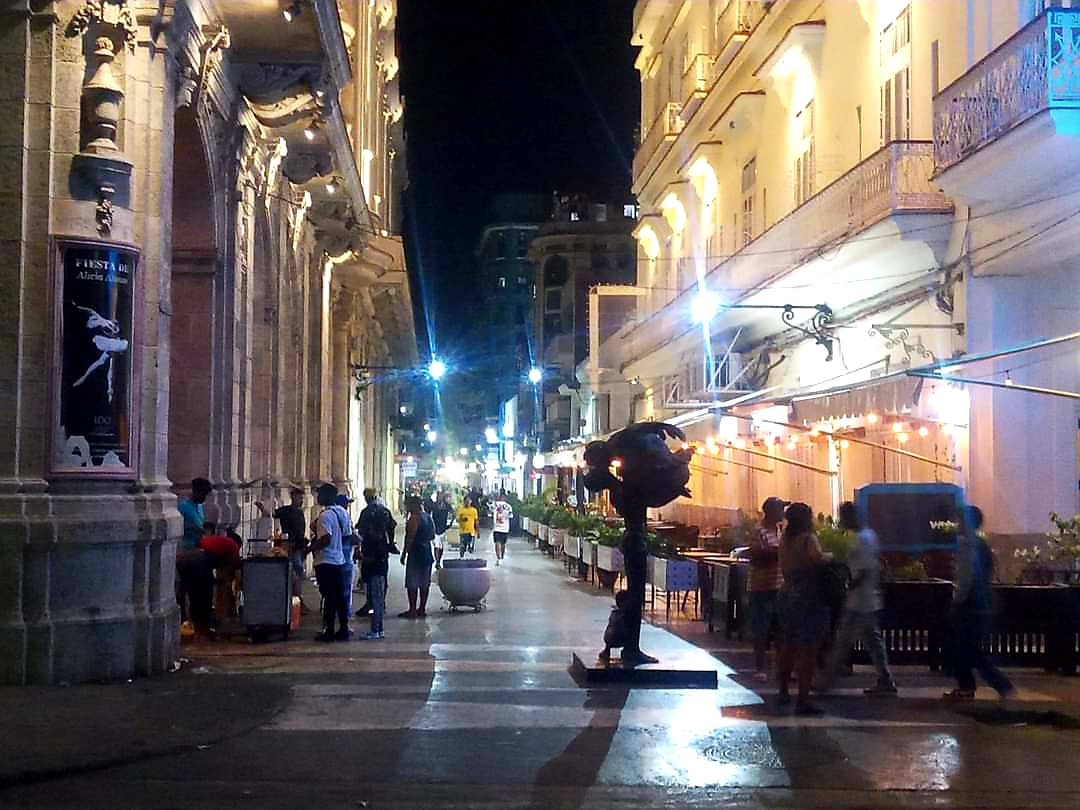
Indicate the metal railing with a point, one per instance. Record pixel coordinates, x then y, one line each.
739 17
698 77
667 126
894 179
1037 69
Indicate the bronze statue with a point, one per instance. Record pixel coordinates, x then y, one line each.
648 475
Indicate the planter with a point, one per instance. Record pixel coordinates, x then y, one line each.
464 582
914 620
572 548
609 558
544 533
526 525
673 575
558 539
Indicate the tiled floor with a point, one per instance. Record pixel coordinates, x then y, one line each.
478 710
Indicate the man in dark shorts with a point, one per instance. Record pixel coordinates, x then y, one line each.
501 514
294 525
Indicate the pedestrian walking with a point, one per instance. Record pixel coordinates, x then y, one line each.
417 558
861 607
330 566
442 516
969 618
294 525
804 615
765 581
376 527
501 515
468 520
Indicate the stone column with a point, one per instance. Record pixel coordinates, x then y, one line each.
341 388
86 560
1023 462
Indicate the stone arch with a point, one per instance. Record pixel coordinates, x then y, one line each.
195 264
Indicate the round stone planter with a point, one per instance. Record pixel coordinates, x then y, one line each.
464 582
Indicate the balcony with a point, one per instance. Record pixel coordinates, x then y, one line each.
664 130
697 80
734 25
1035 71
888 199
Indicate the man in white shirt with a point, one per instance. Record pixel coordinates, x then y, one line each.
501 512
330 569
860 619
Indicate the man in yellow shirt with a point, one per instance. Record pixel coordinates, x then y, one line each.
468 520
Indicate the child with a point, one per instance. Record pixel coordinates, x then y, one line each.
615 634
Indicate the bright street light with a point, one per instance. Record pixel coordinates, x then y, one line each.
404 409
535 375
464 451
437 369
432 436
704 307
491 435
479 447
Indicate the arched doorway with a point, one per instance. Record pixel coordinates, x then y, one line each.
192 324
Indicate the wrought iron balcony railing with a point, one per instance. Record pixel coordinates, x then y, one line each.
664 129
894 180
739 17
1037 69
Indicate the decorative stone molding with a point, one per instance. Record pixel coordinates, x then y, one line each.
113 13
275 155
101 162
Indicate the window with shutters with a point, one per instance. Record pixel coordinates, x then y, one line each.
895 71
749 190
805 169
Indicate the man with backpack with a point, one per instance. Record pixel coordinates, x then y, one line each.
376 527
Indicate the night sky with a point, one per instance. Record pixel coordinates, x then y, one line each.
505 96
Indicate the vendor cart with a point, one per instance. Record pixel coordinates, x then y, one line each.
267 596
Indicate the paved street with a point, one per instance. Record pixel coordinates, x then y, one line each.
477 710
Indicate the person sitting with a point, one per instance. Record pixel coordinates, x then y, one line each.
615 634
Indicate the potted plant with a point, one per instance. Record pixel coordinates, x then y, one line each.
609 558
560 520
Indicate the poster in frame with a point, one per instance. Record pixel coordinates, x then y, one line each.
94 396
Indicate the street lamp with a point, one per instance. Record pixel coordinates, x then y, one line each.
464 451
432 436
437 369
535 375
704 307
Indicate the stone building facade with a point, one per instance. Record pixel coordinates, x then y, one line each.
220 180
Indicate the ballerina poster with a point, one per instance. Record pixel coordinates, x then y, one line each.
95 301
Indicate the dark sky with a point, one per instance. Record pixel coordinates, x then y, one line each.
506 95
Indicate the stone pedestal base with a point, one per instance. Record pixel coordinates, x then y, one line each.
87 586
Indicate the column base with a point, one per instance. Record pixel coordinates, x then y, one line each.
87 585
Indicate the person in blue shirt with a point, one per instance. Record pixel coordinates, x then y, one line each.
191 509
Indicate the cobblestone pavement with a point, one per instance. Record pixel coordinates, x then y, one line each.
477 710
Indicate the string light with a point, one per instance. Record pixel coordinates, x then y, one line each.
844 444
1008 378
897 427
902 438
924 432
872 418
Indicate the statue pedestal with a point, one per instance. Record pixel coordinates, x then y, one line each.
674 672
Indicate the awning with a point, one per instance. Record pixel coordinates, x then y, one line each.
893 393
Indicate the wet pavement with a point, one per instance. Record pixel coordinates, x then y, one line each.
477 710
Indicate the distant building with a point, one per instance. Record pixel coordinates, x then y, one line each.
507 278
584 244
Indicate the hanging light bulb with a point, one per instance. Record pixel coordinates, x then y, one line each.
923 432
1008 378
872 418
902 438
897 427
844 444
792 444
331 187
292 11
